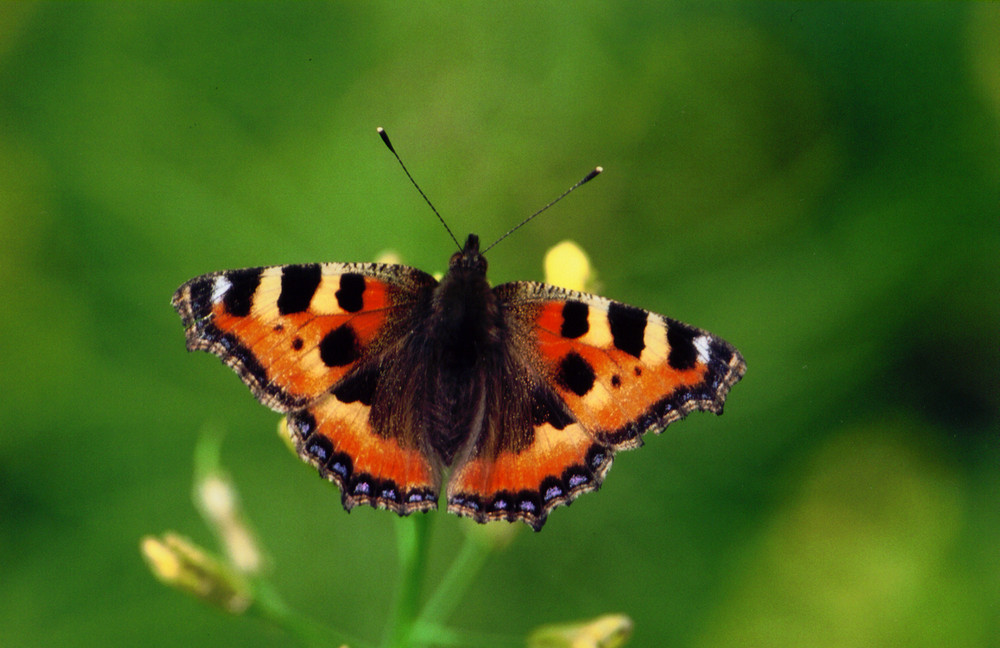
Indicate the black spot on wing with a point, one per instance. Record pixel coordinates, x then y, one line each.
587 476
350 295
720 355
385 493
298 285
597 456
470 502
340 347
341 466
319 448
239 298
547 407
418 496
575 374
501 502
552 488
200 298
387 490
529 503
681 337
302 423
628 328
574 322
358 386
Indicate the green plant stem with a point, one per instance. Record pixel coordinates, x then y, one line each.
459 576
411 537
440 636
269 604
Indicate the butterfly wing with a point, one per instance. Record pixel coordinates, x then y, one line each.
602 373
304 339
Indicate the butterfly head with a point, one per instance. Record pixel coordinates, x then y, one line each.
470 258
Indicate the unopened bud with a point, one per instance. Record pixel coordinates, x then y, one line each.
609 631
567 266
218 502
181 564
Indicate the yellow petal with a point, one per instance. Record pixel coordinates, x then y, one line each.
567 266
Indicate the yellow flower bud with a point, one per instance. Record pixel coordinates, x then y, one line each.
286 435
218 502
388 256
179 563
609 631
567 266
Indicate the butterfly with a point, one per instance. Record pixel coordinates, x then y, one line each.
389 378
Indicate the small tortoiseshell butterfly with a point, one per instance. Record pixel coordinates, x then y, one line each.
389 377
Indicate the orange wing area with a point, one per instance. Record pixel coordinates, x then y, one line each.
288 349
614 372
624 387
631 371
292 332
559 465
337 439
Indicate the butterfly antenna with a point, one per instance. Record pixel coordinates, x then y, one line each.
385 138
587 178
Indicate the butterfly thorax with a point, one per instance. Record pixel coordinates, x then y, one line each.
465 312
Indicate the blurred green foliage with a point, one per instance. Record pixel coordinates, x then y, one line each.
817 183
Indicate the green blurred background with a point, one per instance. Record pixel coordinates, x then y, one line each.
817 183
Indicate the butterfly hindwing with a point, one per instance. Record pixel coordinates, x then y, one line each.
304 338
559 464
338 438
607 373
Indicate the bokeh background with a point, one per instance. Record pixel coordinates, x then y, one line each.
818 183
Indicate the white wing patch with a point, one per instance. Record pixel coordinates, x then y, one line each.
221 286
701 345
